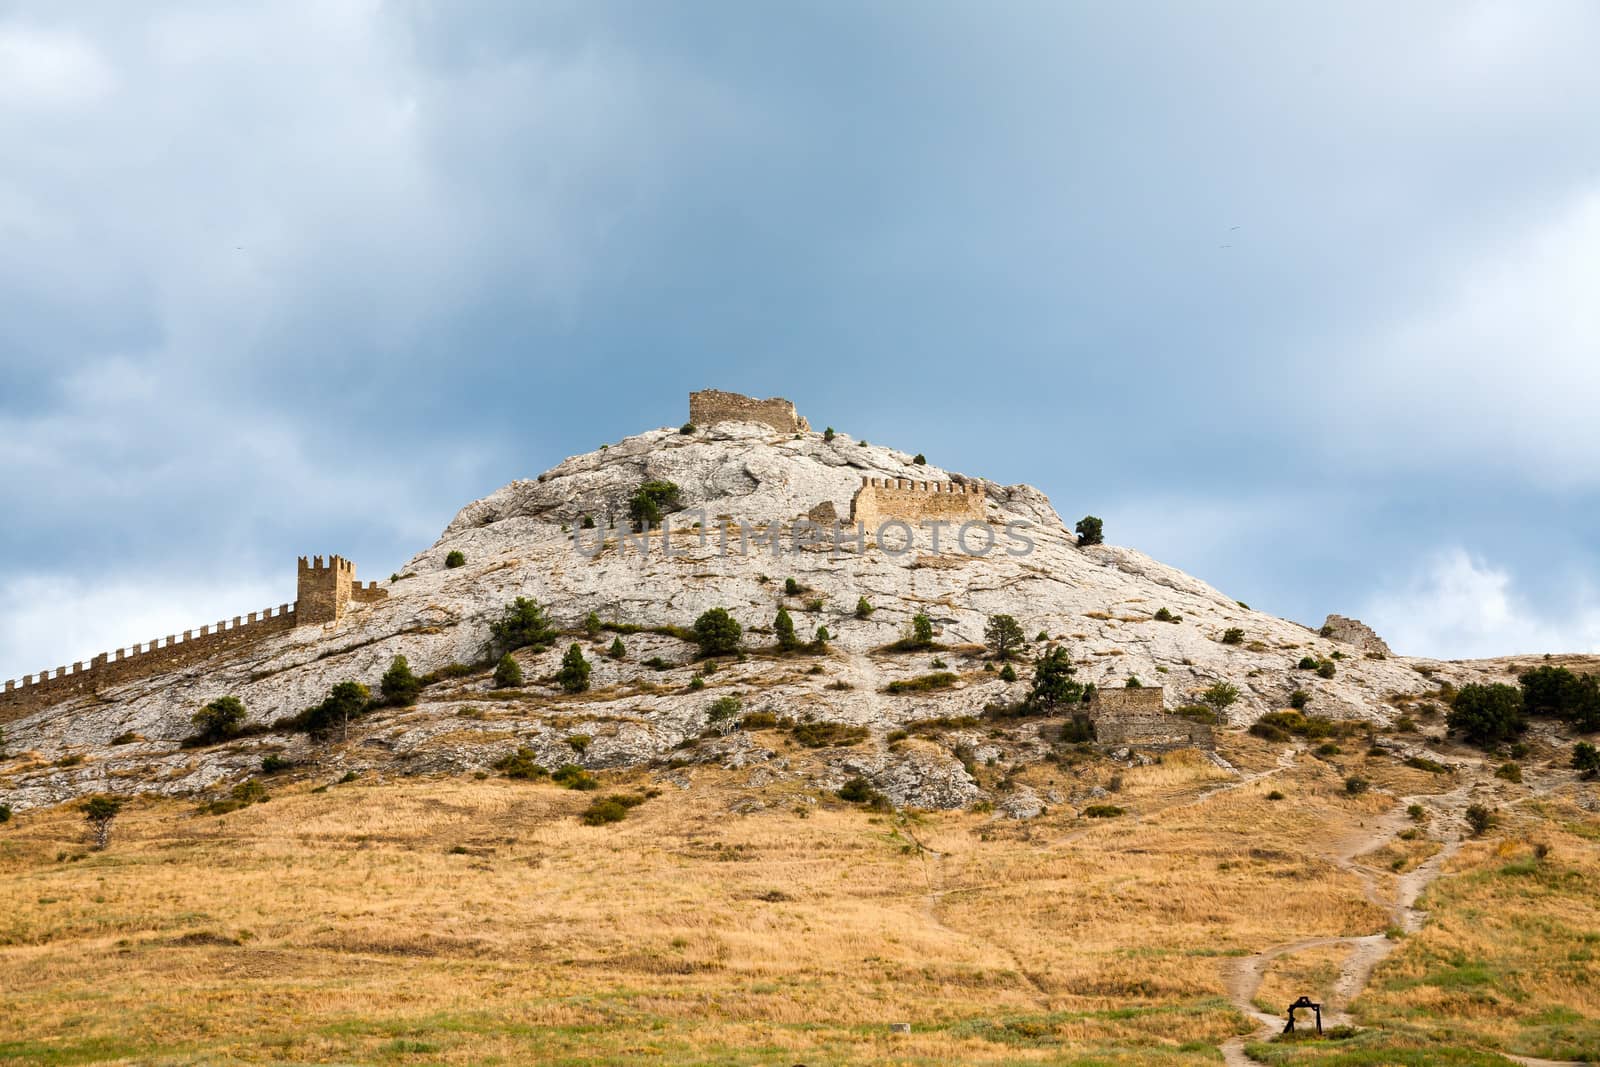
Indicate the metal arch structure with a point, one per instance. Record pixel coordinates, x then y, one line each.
1303 1002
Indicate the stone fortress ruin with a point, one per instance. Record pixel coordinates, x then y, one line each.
1136 717
710 406
324 592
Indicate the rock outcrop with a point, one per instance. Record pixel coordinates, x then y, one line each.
547 538
1354 632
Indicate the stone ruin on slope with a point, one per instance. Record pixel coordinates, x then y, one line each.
711 406
1137 718
1354 632
325 591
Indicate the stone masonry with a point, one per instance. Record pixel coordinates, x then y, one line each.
1138 718
881 499
1354 632
325 590
710 406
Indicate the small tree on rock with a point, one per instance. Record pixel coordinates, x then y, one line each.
399 686
863 609
1054 689
1091 531
1586 759
717 633
574 673
99 811
592 624
523 624
783 626
618 650
345 701
651 501
219 720
1219 697
1003 636
507 673
455 558
921 631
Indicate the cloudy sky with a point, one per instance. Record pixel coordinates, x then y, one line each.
1299 298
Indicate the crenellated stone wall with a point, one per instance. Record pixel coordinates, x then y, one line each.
1138 717
710 406
881 499
325 590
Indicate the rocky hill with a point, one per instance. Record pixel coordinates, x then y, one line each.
531 539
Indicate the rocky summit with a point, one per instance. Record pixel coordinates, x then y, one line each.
748 527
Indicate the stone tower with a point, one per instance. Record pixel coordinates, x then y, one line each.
324 589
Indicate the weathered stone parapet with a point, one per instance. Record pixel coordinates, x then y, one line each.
881 499
325 589
1354 632
1138 717
710 406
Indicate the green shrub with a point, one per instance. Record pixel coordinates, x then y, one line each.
1422 763
1299 699
127 737
588 522
345 701
522 624
1164 615
828 734
656 663
507 673
1326 669
819 643
1328 748
1487 715
697 683
1091 531
1586 759
272 763
592 625
448 671
1275 795
1561 694
863 609
1133 682
792 587
218 721
828 434
455 558
100 811
1003 635
759 720
617 650
1233 636
1480 819
651 501
1307 663
724 708
1511 772
857 791
1356 785
1008 673
687 429
399 686
717 633
922 683
571 776
242 795
610 809
520 764
1103 811
783 627
573 677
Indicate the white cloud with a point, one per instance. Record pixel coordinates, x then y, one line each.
1462 607
55 620
47 70
1499 371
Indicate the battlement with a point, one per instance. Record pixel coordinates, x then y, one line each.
326 587
710 406
879 500
1137 717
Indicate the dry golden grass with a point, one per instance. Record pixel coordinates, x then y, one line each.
463 921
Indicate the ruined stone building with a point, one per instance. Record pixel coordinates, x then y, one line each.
711 406
325 590
880 499
1137 718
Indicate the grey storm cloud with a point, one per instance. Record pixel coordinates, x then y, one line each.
1297 299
